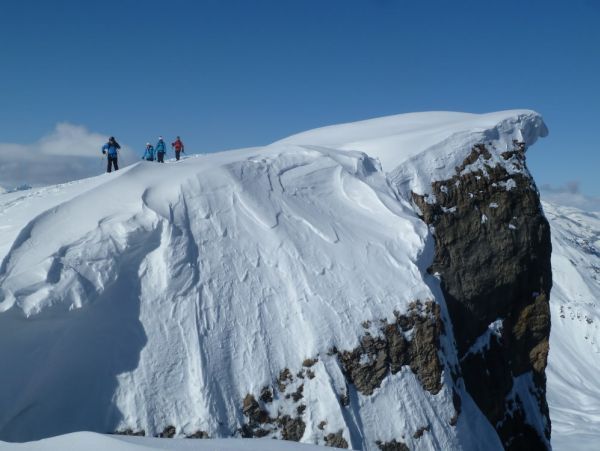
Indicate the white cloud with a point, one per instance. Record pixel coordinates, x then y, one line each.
570 195
70 152
72 140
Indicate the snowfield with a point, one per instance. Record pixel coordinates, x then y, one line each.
574 358
161 295
90 441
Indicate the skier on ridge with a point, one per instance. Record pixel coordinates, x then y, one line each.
111 150
160 150
148 153
178 146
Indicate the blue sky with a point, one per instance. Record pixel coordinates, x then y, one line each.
226 74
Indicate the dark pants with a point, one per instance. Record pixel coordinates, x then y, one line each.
177 152
113 161
161 157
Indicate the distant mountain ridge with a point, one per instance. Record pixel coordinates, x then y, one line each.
573 385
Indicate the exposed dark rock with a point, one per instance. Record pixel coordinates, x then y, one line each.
423 350
291 428
298 394
260 432
254 431
392 446
336 440
246 431
398 346
266 395
168 432
375 357
309 362
284 379
345 399
252 410
310 374
521 435
419 432
367 365
260 424
493 254
198 435
128 431
322 425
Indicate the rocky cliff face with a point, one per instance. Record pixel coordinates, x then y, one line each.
411 342
492 255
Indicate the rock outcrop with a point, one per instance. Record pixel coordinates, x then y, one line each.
492 255
376 357
412 340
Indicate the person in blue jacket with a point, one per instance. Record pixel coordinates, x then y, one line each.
149 153
161 148
111 150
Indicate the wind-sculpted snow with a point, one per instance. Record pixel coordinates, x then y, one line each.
162 296
420 148
194 280
574 359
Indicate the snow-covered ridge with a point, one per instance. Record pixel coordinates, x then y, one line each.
162 295
419 148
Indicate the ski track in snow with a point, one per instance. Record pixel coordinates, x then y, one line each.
163 294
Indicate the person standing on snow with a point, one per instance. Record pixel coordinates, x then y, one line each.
160 150
178 146
111 150
149 153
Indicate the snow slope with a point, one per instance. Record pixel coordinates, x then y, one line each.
574 358
164 294
89 441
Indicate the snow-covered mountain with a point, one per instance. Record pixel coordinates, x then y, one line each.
574 359
307 290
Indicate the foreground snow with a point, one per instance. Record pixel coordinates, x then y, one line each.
90 441
574 358
162 295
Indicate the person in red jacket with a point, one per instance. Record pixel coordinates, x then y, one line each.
178 146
